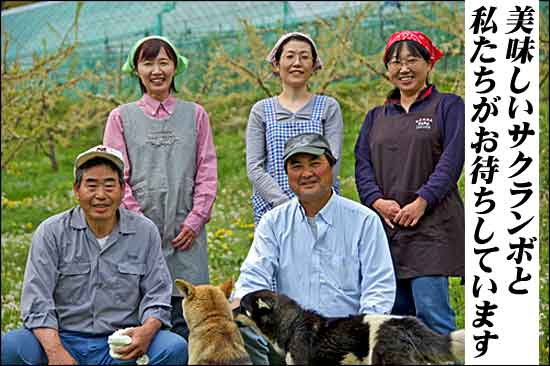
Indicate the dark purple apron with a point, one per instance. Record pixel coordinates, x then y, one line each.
404 151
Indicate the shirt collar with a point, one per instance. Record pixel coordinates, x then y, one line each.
303 113
155 106
394 97
125 224
325 214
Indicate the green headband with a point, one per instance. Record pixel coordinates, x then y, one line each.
129 68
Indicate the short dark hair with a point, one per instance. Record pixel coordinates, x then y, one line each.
150 49
415 48
95 162
330 159
296 37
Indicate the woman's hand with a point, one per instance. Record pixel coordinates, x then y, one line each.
185 238
411 213
388 209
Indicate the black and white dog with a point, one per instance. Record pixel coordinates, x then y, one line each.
305 337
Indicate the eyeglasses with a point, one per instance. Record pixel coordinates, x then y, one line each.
410 62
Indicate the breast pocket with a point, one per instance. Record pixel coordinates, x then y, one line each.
342 271
348 266
128 282
74 279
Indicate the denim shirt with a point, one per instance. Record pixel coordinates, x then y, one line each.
347 269
72 283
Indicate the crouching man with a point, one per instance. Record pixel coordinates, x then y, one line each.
327 252
92 270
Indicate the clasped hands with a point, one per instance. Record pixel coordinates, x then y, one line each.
408 216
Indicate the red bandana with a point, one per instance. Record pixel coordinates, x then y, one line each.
419 37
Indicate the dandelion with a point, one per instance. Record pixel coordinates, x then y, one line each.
10 204
27 202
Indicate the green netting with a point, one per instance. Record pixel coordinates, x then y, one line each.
106 30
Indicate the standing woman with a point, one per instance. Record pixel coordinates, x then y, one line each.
296 110
409 156
170 162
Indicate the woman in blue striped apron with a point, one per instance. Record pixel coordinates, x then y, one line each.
294 111
271 123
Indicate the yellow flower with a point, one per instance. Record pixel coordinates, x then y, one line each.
12 204
222 233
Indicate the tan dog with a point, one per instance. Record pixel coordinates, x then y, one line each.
214 338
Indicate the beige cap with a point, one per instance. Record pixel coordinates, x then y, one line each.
100 151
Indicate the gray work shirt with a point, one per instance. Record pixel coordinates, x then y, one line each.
71 283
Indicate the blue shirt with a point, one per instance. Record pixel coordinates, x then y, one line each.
72 283
346 270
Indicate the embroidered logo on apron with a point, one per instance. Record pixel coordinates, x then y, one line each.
424 123
159 138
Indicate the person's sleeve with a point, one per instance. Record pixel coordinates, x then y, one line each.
256 159
206 177
449 167
156 284
378 285
334 133
37 302
261 263
365 179
114 137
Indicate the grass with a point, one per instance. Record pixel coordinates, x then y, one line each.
32 192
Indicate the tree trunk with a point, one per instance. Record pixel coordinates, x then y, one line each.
51 151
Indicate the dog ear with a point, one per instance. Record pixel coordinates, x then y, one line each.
264 303
226 287
261 304
185 288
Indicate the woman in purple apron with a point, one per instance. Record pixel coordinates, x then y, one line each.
409 157
296 110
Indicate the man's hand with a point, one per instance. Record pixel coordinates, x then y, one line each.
51 343
388 209
185 238
61 357
141 339
411 213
